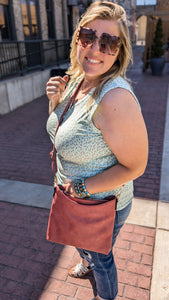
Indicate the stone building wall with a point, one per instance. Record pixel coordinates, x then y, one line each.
43 20
65 19
75 16
58 19
163 5
16 5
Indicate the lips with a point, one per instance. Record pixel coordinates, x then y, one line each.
93 61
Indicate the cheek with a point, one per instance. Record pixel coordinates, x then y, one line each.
110 60
80 54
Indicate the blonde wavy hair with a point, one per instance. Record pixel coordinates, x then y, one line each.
104 10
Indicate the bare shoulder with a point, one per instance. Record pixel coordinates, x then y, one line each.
118 99
117 104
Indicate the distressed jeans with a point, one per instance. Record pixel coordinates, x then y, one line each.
103 266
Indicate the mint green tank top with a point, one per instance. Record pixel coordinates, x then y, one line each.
81 149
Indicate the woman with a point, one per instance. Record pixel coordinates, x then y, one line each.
102 140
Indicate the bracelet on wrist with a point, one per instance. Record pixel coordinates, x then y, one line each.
80 189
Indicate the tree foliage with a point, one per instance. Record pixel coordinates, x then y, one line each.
157 46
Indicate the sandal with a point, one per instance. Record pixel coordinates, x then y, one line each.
79 271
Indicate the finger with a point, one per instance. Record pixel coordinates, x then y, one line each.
62 80
55 78
53 83
56 84
51 94
53 89
65 187
58 80
66 78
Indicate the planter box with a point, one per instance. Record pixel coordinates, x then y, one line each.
157 66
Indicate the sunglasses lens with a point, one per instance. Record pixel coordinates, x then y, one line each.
108 44
86 37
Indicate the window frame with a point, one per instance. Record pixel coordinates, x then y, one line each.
28 9
9 21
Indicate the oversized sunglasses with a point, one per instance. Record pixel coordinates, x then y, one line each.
108 44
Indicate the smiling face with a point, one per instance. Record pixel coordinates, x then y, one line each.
94 62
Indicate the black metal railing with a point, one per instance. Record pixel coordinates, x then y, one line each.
20 57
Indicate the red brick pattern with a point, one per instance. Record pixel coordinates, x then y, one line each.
32 268
152 94
25 144
135 262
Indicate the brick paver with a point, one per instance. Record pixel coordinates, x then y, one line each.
152 94
32 268
25 144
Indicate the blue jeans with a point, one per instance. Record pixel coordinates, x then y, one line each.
103 266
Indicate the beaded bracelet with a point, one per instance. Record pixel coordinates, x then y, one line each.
80 189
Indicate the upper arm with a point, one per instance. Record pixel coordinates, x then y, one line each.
121 123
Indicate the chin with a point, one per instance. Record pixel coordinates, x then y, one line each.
93 74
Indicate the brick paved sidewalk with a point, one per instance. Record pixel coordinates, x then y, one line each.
32 268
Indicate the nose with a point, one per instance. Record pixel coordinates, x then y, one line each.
95 46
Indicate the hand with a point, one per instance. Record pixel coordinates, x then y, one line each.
69 188
54 89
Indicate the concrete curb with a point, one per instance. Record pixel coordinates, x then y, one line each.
164 186
24 193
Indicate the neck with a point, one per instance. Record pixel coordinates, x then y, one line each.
87 85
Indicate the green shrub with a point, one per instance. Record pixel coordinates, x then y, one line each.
157 46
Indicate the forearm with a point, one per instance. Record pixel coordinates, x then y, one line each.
111 179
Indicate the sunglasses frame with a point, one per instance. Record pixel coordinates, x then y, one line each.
95 37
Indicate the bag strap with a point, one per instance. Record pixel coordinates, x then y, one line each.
53 152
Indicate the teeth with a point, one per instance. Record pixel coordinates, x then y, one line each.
93 61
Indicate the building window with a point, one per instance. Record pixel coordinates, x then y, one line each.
29 18
5 21
50 20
